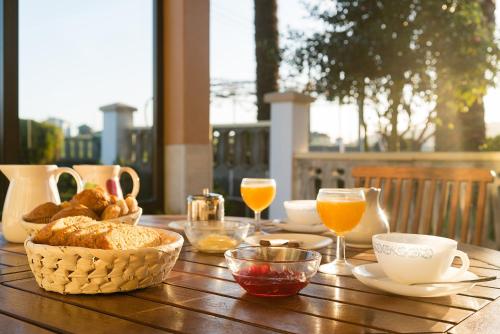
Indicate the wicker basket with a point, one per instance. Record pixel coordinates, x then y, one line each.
131 219
32 228
78 270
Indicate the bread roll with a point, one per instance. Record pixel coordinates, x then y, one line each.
111 211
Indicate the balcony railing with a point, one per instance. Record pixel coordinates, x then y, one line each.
314 170
240 150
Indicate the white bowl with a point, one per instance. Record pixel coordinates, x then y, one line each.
302 212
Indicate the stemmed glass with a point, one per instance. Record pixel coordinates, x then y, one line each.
258 194
340 210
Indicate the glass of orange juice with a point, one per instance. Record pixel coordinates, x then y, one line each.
340 210
258 194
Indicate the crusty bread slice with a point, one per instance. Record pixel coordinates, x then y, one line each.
83 231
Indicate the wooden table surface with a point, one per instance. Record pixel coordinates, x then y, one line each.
200 296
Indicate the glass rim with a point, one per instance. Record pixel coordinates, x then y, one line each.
316 255
257 180
203 225
341 190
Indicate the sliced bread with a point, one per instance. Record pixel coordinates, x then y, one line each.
83 231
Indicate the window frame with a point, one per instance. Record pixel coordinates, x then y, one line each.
9 98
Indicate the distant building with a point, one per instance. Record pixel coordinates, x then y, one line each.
319 139
85 130
65 126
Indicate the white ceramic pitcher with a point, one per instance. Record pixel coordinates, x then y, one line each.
108 178
29 186
374 221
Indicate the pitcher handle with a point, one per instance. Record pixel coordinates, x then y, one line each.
72 172
135 180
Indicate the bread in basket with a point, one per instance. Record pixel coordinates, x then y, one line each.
132 258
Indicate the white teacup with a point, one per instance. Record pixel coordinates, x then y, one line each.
302 212
417 258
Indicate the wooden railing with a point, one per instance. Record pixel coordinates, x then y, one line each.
314 170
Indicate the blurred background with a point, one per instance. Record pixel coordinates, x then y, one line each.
387 76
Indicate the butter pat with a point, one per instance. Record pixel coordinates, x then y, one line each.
216 243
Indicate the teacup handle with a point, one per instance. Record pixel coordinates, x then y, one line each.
72 172
136 183
465 263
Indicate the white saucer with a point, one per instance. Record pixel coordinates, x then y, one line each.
373 276
302 228
309 241
178 225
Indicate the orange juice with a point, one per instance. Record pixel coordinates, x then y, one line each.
341 216
258 198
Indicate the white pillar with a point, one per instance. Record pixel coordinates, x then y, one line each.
289 135
118 118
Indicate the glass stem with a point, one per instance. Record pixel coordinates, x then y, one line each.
340 249
257 221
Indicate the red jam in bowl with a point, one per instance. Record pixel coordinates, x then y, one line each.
260 280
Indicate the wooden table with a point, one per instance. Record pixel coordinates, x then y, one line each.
200 296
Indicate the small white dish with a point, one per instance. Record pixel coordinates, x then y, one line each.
308 241
301 228
179 225
373 276
302 212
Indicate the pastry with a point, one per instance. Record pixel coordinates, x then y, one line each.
113 199
75 210
94 199
124 210
42 213
86 232
111 211
65 204
132 204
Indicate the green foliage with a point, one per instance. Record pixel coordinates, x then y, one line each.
397 55
41 143
491 144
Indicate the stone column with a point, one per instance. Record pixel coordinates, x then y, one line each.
289 135
188 152
117 120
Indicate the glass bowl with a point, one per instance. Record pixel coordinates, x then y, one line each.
272 271
216 236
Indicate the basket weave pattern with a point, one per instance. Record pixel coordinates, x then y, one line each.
78 270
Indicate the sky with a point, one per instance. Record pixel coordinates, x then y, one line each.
76 56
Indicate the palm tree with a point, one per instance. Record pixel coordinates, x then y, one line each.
266 53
